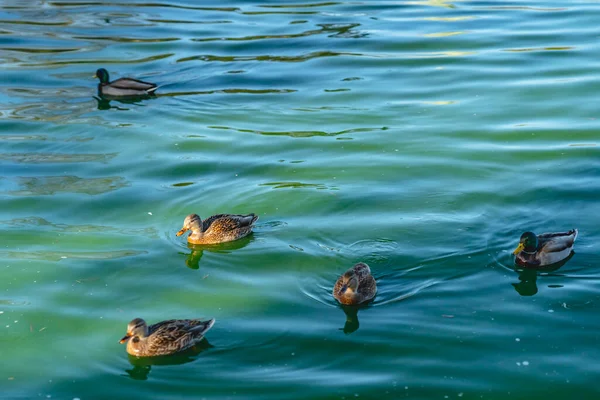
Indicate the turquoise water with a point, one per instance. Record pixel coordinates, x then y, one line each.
421 137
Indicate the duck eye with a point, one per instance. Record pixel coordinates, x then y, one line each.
135 339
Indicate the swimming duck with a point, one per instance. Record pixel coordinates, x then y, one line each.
164 338
218 228
355 286
123 87
544 249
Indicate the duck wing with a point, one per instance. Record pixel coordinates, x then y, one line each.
367 287
228 222
176 335
132 84
556 242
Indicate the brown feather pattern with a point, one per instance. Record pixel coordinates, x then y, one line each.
366 290
219 228
169 337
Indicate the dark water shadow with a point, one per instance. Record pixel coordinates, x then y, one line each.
527 285
352 323
104 101
143 365
192 260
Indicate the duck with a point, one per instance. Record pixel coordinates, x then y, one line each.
164 338
355 286
545 249
123 87
218 228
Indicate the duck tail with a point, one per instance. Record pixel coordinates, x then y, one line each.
575 233
254 218
152 89
204 326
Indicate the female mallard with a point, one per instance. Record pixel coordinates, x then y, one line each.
164 338
218 228
123 87
545 249
355 286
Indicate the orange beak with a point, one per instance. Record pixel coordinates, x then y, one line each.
125 338
181 232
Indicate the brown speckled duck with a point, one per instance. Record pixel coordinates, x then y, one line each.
164 338
355 286
545 249
218 228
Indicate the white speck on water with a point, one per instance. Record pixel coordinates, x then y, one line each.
406 387
8 326
518 363
76 398
525 363
460 394
149 213
550 310
1 312
517 340
293 354
16 320
63 257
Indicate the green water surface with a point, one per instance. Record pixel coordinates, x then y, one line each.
421 137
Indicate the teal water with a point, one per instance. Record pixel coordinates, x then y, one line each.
421 137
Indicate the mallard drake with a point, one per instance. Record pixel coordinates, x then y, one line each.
355 286
123 87
164 338
218 228
545 249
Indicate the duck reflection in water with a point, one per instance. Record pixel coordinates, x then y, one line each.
104 103
192 260
352 324
527 285
142 366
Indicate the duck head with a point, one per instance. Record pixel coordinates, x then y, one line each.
102 74
136 329
349 284
191 223
527 243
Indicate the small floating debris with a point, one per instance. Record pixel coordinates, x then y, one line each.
149 213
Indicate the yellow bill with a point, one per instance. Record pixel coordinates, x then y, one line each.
519 248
